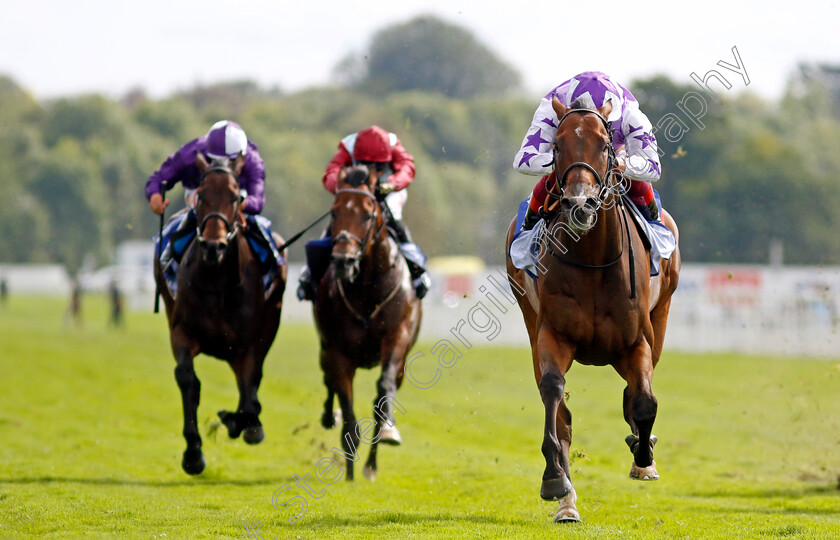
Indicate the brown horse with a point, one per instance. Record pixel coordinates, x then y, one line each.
594 301
221 308
367 314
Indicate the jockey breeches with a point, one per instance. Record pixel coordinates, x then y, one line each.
641 193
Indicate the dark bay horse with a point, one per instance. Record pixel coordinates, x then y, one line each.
594 300
221 308
367 315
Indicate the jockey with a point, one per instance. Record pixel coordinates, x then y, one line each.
224 140
632 137
382 150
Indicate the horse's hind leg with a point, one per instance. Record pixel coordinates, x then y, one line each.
640 408
246 421
193 460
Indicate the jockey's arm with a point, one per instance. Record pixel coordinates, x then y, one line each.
642 157
340 160
252 180
165 177
402 164
534 155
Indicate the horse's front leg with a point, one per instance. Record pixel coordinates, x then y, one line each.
193 460
246 420
340 378
552 359
640 406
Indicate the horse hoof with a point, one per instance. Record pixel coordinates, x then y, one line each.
567 511
193 462
328 420
644 473
253 435
556 489
390 435
229 420
369 473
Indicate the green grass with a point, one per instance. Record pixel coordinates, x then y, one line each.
90 444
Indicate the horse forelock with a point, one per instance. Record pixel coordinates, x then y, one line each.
583 102
356 176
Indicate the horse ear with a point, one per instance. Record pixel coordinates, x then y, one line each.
238 164
201 162
606 109
558 107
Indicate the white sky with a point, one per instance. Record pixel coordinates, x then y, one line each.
61 47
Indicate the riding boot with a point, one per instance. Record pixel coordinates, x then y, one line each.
654 211
531 219
305 290
420 279
176 242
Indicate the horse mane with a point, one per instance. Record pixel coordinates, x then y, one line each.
357 175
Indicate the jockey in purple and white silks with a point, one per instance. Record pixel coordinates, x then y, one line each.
633 140
224 140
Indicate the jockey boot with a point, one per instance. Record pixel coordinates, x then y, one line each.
400 232
654 211
305 290
531 219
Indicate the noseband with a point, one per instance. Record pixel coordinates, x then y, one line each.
604 190
371 232
231 228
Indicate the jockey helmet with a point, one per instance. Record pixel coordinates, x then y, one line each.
226 140
372 144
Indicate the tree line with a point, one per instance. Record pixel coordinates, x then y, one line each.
74 168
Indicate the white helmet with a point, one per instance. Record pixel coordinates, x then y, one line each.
226 140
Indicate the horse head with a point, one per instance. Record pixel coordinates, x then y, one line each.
356 218
218 205
583 151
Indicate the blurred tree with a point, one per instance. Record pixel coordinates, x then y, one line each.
429 54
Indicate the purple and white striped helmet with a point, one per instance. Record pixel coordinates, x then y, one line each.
226 140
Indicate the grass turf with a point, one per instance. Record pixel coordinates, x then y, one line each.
90 444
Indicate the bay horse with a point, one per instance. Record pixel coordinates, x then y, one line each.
221 307
366 313
585 304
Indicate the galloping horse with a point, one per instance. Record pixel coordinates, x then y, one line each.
586 304
366 313
221 308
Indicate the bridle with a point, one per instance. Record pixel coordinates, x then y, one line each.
372 232
604 188
232 228
604 191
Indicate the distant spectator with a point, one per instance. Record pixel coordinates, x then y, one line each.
4 291
116 297
74 310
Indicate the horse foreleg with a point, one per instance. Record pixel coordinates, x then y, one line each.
342 381
193 460
640 407
246 419
552 360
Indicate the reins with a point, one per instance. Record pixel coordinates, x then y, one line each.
604 192
369 237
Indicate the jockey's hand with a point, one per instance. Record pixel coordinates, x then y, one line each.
621 164
385 188
158 204
342 174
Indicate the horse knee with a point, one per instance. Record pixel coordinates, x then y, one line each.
185 377
551 387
